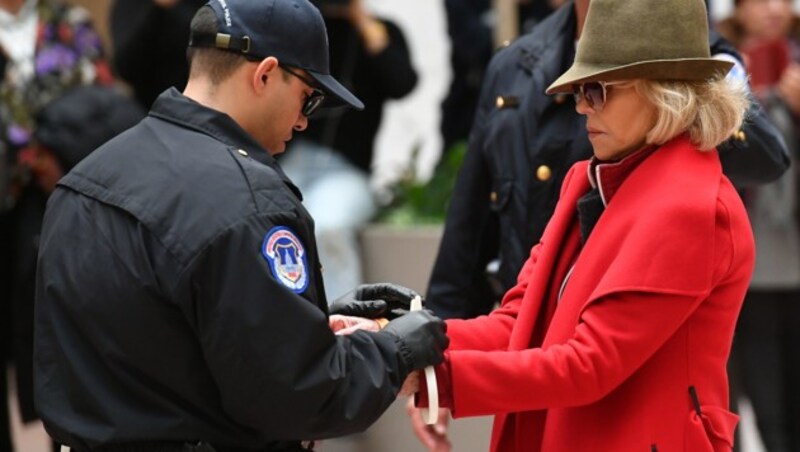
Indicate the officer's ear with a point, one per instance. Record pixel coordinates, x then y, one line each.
263 73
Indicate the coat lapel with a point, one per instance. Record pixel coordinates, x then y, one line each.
539 291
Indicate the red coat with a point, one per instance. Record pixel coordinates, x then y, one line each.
648 312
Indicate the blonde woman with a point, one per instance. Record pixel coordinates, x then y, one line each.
617 334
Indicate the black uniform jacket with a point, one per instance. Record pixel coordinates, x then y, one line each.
159 317
521 146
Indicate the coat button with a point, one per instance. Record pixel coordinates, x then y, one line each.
740 135
506 102
242 152
560 98
544 173
493 196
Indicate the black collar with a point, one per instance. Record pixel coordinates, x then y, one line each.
174 107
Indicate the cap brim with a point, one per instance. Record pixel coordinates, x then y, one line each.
332 87
678 69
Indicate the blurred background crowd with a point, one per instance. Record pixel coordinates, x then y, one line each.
75 73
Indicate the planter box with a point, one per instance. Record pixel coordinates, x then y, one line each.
402 255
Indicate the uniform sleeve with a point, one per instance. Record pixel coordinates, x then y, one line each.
458 287
278 367
757 153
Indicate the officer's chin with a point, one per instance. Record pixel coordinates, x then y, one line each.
278 148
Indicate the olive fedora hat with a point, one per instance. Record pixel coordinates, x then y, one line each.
652 39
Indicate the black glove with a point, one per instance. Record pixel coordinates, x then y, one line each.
420 337
372 301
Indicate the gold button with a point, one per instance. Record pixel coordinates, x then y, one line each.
506 102
741 136
544 173
560 98
243 152
493 196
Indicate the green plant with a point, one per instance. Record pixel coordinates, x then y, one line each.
414 202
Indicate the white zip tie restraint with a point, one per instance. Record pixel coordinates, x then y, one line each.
431 414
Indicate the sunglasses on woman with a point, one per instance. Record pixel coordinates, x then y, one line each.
595 93
314 100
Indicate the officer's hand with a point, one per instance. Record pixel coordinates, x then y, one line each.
374 300
421 338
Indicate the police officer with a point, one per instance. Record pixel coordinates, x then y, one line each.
180 303
520 148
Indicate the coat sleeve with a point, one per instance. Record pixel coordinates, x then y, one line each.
616 336
278 367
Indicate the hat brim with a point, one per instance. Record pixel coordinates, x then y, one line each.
678 69
332 87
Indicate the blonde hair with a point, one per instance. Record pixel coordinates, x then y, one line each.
709 111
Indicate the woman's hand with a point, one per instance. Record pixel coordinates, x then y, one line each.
411 385
345 324
433 437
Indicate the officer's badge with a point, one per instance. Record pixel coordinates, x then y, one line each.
287 258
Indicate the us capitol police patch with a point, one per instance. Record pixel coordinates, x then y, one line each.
287 258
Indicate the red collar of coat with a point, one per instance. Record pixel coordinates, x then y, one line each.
608 176
638 242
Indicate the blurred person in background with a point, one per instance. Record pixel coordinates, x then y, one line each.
470 26
331 161
149 44
767 342
46 49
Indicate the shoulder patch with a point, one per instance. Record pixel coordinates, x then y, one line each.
286 256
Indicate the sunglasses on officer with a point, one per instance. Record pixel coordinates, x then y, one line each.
595 93
314 100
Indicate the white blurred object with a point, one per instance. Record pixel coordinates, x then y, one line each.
413 121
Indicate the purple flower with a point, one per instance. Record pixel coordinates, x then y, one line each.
17 135
54 58
87 41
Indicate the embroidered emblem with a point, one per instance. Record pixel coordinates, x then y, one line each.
287 258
